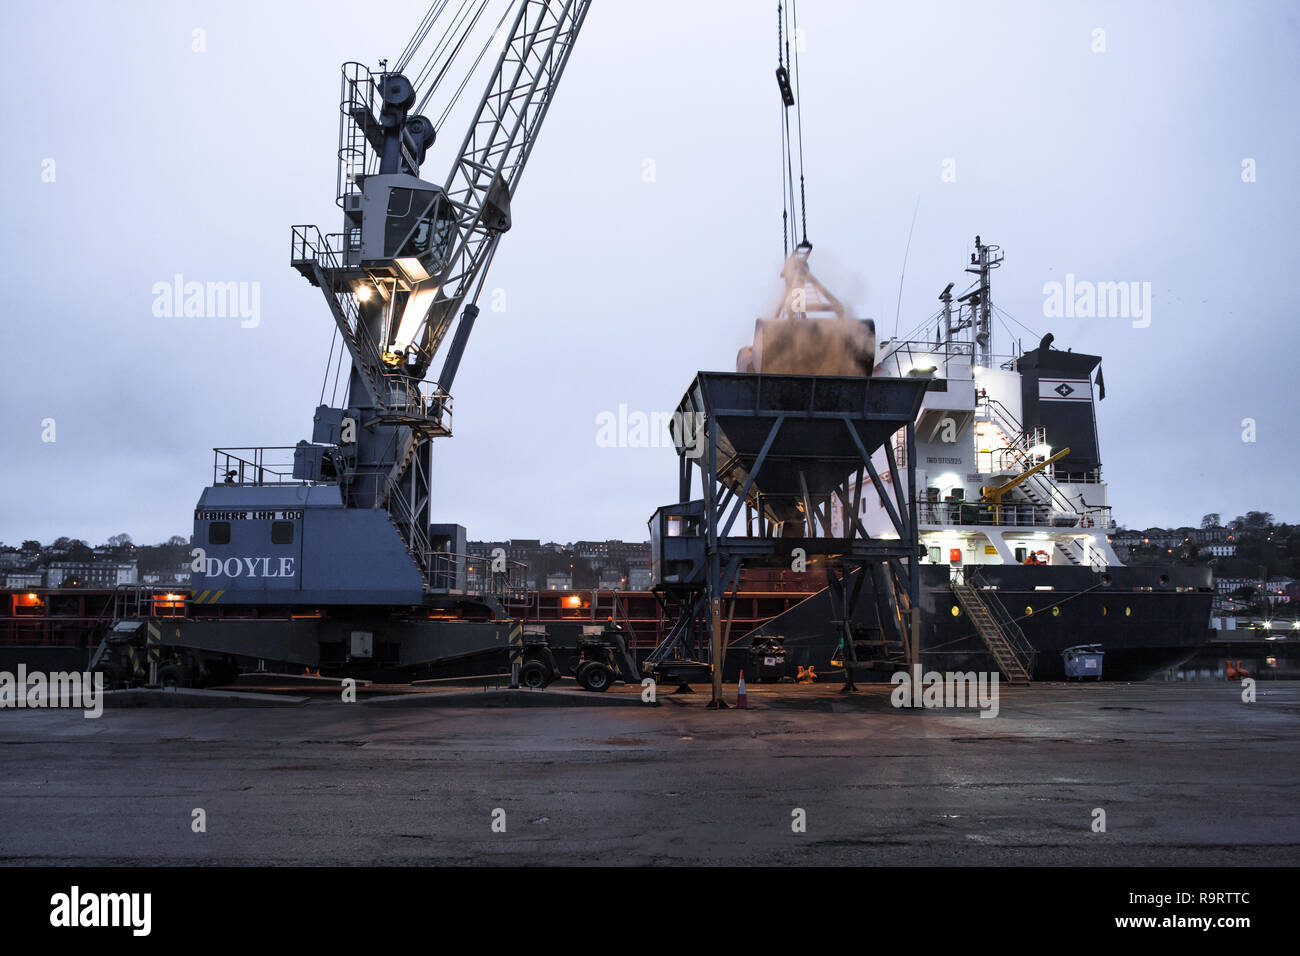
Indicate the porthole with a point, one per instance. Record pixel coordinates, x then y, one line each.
1128 612
1056 612
1028 611
1105 611
956 611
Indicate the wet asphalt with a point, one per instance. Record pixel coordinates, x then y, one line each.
1185 773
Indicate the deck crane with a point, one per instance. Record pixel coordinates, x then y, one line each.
995 493
323 553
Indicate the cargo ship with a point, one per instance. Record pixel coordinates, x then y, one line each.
1013 513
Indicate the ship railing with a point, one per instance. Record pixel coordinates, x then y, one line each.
267 465
471 574
1084 554
991 410
910 351
1045 486
958 513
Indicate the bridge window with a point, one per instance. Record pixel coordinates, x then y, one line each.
219 532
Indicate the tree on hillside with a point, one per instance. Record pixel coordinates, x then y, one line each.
1212 520
1254 521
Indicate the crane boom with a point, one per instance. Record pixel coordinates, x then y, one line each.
412 253
495 150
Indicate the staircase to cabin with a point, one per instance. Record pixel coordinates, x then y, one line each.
1000 634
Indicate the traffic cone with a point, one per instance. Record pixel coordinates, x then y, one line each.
740 693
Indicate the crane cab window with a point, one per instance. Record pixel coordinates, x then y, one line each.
219 532
678 526
282 532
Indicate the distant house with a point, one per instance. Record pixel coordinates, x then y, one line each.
559 581
89 574
17 580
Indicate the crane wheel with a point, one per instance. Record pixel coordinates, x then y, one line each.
595 676
534 674
171 676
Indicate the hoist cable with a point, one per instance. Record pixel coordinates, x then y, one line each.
431 61
465 31
421 32
798 113
455 97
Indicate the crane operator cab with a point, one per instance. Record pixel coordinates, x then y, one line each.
399 226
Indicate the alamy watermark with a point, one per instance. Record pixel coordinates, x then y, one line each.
37 689
208 300
637 429
75 909
950 689
1084 299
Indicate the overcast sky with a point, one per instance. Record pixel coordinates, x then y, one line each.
1122 165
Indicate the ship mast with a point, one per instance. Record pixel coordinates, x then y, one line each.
982 261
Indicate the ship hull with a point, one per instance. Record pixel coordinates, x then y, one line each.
1145 619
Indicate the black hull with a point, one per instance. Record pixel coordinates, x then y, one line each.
1145 619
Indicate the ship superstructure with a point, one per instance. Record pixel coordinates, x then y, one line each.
1008 463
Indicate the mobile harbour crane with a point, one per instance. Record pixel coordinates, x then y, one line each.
323 554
